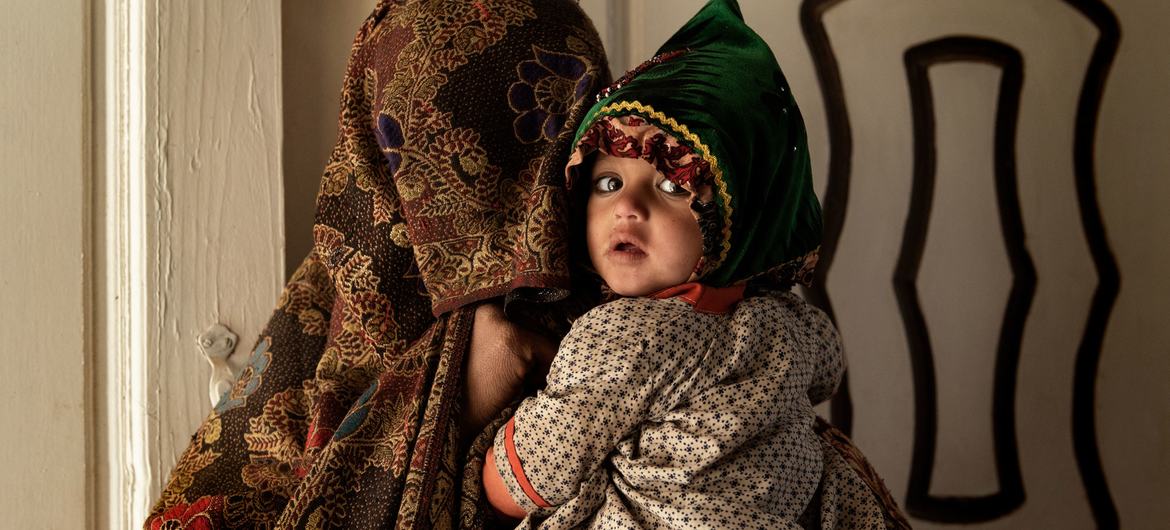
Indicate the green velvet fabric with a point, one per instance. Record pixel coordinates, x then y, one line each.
725 96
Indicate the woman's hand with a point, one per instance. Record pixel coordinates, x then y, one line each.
501 356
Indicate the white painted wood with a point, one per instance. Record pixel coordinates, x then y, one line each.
121 468
45 172
187 223
212 204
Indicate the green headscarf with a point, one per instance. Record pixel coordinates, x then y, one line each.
716 87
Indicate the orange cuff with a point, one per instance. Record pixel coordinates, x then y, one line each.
494 486
517 468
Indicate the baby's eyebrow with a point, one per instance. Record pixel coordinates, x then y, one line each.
603 172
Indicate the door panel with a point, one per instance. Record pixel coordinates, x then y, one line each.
965 267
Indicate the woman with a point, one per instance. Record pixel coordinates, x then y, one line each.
443 192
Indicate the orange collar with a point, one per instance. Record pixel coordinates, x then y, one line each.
704 298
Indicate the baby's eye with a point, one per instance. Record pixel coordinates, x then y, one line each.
607 184
672 188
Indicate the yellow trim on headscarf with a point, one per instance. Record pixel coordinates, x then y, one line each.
682 131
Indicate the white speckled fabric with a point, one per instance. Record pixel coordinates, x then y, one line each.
660 416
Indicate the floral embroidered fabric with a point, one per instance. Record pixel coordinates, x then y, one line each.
443 189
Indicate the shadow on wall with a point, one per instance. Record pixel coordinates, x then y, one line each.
316 39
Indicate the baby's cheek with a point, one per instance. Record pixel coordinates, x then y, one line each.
595 239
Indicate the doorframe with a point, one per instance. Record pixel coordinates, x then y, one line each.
156 151
120 406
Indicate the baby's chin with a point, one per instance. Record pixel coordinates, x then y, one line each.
632 289
629 286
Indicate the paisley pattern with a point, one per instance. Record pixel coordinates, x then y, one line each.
433 199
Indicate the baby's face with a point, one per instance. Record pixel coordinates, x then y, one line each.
641 234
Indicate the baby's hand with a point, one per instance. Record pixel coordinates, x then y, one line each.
501 356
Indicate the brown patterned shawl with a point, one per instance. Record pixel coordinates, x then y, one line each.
444 189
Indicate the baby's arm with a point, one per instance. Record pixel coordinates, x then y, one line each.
607 373
497 491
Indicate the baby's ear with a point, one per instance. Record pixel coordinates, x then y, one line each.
710 224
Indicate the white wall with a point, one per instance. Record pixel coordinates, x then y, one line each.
43 249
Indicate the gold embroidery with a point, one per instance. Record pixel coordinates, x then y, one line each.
197 456
461 207
276 444
399 235
309 295
211 433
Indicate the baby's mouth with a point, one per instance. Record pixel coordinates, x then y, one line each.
627 249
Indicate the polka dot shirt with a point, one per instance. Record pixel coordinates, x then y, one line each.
660 416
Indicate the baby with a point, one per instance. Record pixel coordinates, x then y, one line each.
686 401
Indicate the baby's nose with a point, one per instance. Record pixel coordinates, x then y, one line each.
631 205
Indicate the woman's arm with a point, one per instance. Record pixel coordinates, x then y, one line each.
501 356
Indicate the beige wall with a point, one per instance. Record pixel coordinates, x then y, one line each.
964 275
1133 164
316 37
43 123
